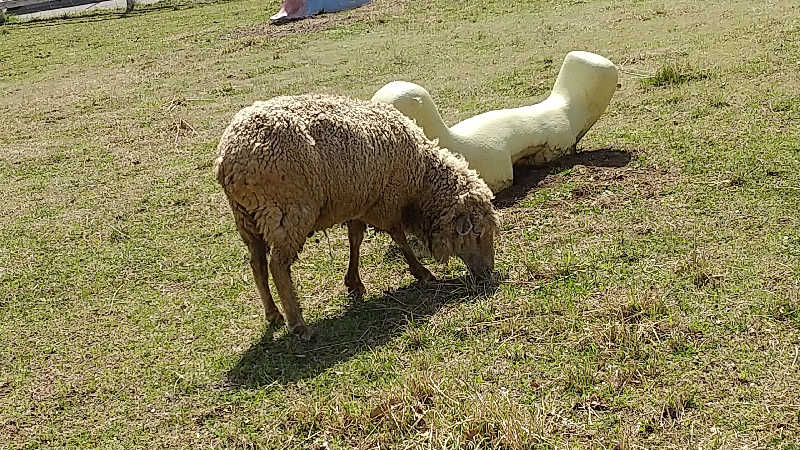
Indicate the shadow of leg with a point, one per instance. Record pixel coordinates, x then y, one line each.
363 326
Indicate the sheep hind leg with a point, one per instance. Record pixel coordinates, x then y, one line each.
417 269
280 266
258 262
258 249
355 234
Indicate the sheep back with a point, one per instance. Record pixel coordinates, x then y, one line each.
322 160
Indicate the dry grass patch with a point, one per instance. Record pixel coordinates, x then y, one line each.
648 287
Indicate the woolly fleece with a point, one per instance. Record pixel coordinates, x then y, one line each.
300 164
293 165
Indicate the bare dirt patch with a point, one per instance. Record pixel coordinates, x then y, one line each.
375 12
589 164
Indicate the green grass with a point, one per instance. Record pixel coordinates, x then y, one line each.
672 74
650 293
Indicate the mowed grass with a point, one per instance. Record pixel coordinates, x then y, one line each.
651 286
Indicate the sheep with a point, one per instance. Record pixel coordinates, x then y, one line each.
293 165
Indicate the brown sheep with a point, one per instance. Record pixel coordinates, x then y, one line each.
294 165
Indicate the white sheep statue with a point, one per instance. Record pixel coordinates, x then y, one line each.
294 165
493 141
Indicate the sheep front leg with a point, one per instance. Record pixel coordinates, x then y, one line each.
280 267
417 269
355 234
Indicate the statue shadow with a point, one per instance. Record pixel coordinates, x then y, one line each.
364 325
528 176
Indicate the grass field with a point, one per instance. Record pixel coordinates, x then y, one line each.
651 285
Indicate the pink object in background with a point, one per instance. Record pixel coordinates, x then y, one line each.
298 9
291 9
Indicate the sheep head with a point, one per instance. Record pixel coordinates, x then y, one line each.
467 230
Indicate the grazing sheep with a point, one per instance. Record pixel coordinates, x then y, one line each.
294 165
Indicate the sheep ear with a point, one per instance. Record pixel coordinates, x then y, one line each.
476 228
463 224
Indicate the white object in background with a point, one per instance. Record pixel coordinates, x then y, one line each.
299 9
493 141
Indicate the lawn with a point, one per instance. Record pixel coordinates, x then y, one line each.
650 292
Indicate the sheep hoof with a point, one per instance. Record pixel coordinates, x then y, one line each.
303 332
424 275
274 318
356 290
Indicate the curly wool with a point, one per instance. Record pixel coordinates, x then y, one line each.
299 164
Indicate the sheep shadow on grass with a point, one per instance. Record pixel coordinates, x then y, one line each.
527 177
364 325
